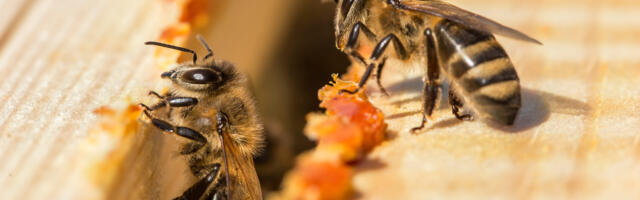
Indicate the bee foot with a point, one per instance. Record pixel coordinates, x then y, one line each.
349 92
414 130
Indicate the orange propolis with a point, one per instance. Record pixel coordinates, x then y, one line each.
349 129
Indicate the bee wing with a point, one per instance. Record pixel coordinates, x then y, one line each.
245 183
461 16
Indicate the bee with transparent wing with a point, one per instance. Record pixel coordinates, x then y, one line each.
450 41
209 104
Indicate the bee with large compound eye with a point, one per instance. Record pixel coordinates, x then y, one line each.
446 39
209 105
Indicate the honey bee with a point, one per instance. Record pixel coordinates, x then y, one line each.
209 105
446 39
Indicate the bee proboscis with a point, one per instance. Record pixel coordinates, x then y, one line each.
209 105
456 42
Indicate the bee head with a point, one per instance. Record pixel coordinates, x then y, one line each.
201 77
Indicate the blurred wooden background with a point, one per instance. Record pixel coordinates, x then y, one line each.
60 60
576 136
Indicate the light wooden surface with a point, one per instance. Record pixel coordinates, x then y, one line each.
60 60
576 136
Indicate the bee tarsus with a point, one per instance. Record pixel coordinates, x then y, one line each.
163 101
363 80
377 53
172 101
378 74
418 128
185 132
431 88
357 56
352 41
456 105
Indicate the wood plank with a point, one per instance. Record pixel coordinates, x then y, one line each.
60 60
576 136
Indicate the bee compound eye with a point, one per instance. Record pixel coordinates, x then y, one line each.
200 76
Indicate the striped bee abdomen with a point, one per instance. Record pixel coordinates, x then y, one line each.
477 63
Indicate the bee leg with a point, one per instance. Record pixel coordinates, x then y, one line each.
349 49
355 32
378 74
168 127
380 49
160 104
382 46
353 39
363 80
163 102
377 53
429 94
197 190
456 104
431 85
173 101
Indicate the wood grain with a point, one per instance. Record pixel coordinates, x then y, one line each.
60 60
576 136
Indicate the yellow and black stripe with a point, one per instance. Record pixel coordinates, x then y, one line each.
481 67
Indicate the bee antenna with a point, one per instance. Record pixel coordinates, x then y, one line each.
204 43
195 56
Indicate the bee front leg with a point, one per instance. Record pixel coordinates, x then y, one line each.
352 41
380 61
198 190
172 101
431 87
430 93
456 104
349 49
378 74
354 55
178 130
